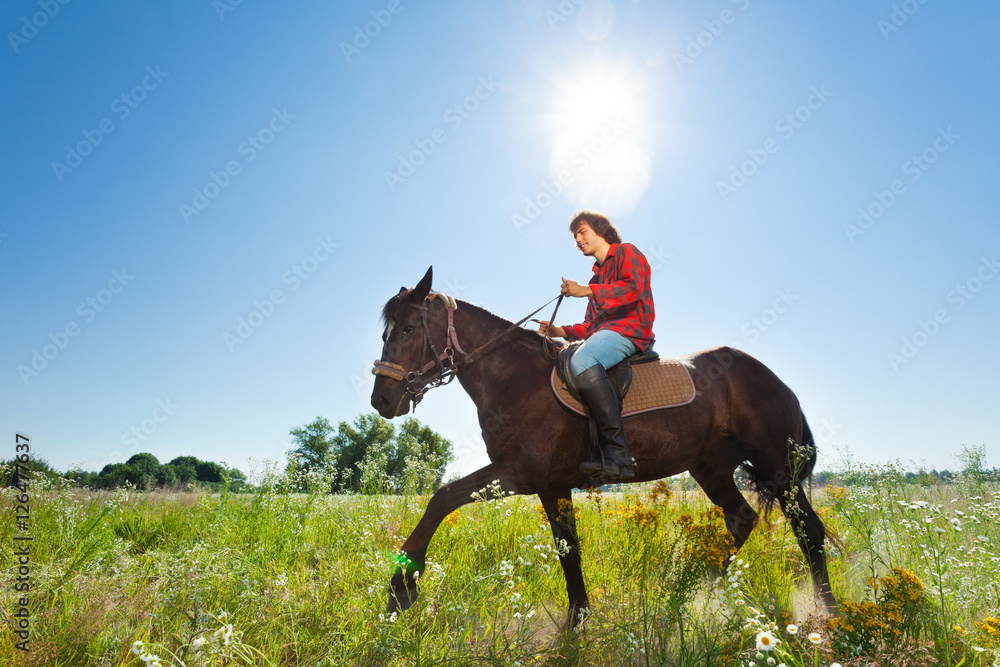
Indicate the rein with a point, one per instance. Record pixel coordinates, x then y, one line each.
416 381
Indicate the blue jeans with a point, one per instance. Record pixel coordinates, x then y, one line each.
604 347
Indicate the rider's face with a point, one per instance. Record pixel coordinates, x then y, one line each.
587 240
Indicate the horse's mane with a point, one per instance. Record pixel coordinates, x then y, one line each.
519 334
395 309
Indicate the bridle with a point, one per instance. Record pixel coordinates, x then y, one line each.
418 380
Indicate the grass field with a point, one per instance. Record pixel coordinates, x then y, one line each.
282 578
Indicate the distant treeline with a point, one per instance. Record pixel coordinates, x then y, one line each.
921 477
144 471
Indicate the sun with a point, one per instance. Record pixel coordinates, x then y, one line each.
600 152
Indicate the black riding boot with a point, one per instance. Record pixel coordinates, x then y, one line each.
600 397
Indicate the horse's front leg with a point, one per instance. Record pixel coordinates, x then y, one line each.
558 507
410 563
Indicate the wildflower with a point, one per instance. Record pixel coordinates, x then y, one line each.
546 569
792 629
196 644
835 664
814 637
224 633
772 662
137 647
766 641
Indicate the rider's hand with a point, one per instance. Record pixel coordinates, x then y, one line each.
546 329
573 288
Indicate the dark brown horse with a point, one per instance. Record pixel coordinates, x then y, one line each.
742 415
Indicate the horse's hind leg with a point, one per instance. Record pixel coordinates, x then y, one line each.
810 533
402 586
558 507
720 488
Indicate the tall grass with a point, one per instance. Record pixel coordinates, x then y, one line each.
277 577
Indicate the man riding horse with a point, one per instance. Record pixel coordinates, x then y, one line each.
618 323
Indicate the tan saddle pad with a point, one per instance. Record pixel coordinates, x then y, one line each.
655 385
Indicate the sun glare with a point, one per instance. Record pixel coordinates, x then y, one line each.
599 154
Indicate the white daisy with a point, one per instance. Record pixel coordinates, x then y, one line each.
766 641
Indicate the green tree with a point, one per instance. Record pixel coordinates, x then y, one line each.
209 471
114 475
38 468
166 476
146 467
237 480
421 457
369 440
185 469
369 456
313 445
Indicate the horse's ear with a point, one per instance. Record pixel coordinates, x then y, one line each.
423 288
401 291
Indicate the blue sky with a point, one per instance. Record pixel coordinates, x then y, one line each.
811 182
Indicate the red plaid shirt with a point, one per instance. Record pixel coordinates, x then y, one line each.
622 301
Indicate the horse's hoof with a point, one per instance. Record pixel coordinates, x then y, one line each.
577 621
401 600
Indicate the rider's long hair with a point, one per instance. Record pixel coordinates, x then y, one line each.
601 226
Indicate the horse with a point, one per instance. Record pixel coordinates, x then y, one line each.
742 416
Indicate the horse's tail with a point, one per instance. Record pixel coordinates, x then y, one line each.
763 482
809 441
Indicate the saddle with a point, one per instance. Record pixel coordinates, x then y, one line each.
663 384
